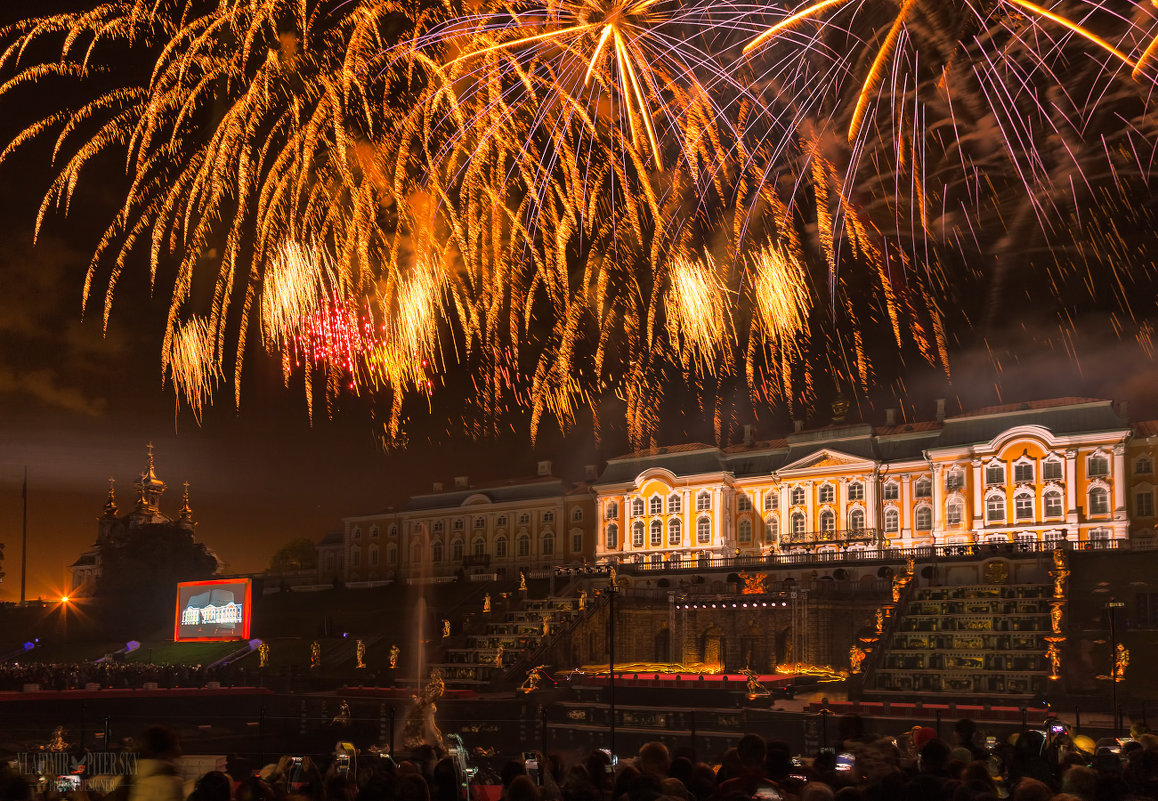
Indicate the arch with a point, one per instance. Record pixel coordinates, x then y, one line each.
856 519
856 491
391 553
547 543
637 507
703 530
772 528
479 546
995 473
743 502
923 518
771 500
796 496
655 505
480 522
1023 470
436 551
357 533
1098 465
674 504
456 549
891 490
954 512
954 479
798 523
1099 501
655 534
374 532
827 493
827 520
1143 465
995 511
923 487
674 532
1051 501
524 545
637 534
703 501
610 510
1023 505
892 520
501 547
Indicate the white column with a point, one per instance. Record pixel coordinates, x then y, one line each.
938 505
1119 479
842 503
907 507
1071 486
718 515
810 507
871 512
978 510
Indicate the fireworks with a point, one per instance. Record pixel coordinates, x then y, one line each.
571 201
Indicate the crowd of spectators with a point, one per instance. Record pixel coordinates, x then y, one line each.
1034 765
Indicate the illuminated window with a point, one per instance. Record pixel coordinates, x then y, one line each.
954 512
892 520
827 494
1023 507
798 524
637 534
856 491
674 505
856 520
1099 465
923 518
827 520
995 509
704 530
655 505
743 502
745 531
611 511
1053 503
674 532
771 501
892 491
655 535
637 507
1099 501
703 501
772 528
923 488
611 537
796 497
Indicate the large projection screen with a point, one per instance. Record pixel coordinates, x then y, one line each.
212 610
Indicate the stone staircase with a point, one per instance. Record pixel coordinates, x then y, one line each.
981 640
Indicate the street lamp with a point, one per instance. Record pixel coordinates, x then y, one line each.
1111 608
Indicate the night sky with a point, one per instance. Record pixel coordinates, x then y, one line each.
77 405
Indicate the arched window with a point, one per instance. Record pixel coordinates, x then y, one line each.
827 520
704 530
636 507
458 524
393 531
479 546
524 545
548 517
892 520
856 520
456 548
923 488
772 528
798 525
674 532
576 540
611 537
704 501
501 547
1052 501
1099 501
436 551
611 510
955 479
655 505
1098 465
524 519
637 534
745 531
892 491
674 505
771 500
743 502
856 491
827 493
480 522
1023 506
995 508
656 534
547 546
995 473
501 520
796 496
391 553
954 511
923 518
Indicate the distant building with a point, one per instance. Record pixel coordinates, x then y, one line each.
86 570
1044 471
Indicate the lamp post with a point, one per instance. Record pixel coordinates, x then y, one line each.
1111 608
611 592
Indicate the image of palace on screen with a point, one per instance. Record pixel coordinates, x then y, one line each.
215 606
213 610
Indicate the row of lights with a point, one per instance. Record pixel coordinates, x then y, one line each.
744 605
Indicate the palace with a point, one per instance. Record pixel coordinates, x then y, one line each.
1072 469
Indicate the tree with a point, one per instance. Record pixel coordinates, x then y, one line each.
299 554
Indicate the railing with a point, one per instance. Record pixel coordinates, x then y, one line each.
839 537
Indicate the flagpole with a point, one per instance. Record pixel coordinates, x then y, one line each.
24 541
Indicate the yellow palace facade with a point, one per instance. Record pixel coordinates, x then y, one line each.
1042 472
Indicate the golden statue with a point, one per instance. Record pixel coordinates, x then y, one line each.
546 625
855 658
582 600
57 742
753 584
880 619
522 579
1055 618
1059 558
899 584
315 655
499 656
262 655
360 654
486 603
910 565
1121 662
420 727
445 628
755 688
343 716
1053 654
531 683
394 653
613 580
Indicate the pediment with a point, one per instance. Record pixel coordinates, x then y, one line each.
828 460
